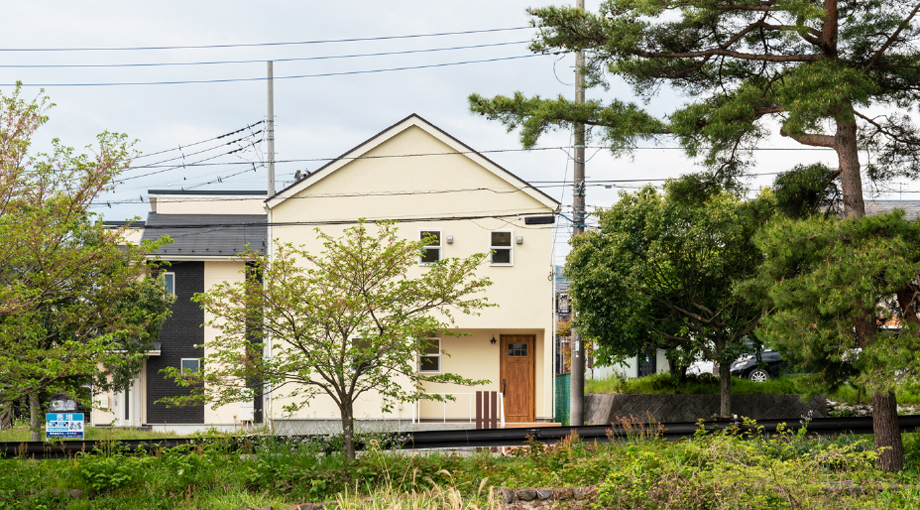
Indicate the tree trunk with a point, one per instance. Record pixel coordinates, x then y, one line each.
725 390
888 442
348 430
35 417
850 177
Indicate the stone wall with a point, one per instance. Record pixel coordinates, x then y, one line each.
601 409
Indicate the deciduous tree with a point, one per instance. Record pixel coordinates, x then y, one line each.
342 323
77 304
660 273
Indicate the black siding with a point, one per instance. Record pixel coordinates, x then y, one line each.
181 332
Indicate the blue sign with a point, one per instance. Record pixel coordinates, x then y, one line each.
64 425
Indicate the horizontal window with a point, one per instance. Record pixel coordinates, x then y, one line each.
190 365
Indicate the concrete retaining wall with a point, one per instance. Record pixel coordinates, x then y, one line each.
601 409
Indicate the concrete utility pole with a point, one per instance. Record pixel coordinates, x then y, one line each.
271 129
577 382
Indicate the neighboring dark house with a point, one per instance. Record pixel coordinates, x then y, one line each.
205 242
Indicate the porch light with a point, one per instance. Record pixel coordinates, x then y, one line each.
493 340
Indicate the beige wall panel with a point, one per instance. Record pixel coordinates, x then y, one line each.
207 204
215 273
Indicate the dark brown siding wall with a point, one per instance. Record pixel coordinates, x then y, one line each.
181 332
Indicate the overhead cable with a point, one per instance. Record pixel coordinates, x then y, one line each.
263 44
254 61
263 78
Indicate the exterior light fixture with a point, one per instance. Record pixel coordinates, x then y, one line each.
519 240
450 239
493 340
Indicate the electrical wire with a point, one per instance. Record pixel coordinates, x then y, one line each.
253 45
264 78
258 61
490 151
180 147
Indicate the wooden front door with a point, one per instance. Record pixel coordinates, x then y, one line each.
517 372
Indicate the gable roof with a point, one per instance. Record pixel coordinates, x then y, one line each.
390 132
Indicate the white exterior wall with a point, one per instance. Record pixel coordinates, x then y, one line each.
455 186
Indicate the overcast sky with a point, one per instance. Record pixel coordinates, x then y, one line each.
317 118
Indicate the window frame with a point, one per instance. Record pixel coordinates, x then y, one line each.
167 275
494 248
439 247
182 365
436 355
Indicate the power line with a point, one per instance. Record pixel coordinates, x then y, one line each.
180 147
490 151
263 78
254 61
253 45
183 156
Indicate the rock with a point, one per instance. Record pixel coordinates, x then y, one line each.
508 496
582 492
309 506
527 494
76 493
544 493
563 494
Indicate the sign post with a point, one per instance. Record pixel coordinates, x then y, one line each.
64 425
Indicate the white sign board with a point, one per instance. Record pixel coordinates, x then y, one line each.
64 425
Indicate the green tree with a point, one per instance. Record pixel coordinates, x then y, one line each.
818 70
839 74
77 305
660 273
821 275
341 323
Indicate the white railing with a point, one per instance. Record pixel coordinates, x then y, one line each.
417 407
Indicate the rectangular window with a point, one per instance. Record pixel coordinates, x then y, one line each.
361 357
500 247
190 365
170 283
432 251
429 358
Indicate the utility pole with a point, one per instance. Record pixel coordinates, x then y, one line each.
577 382
271 129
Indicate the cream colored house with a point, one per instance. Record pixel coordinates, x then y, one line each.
429 182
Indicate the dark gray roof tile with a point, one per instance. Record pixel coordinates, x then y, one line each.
208 235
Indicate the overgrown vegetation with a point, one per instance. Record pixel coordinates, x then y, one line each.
708 471
908 392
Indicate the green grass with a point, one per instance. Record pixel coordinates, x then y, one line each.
665 383
21 433
720 470
907 393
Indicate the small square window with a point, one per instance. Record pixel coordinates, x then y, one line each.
169 283
432 251
500 246
361 358
429 359
190 365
